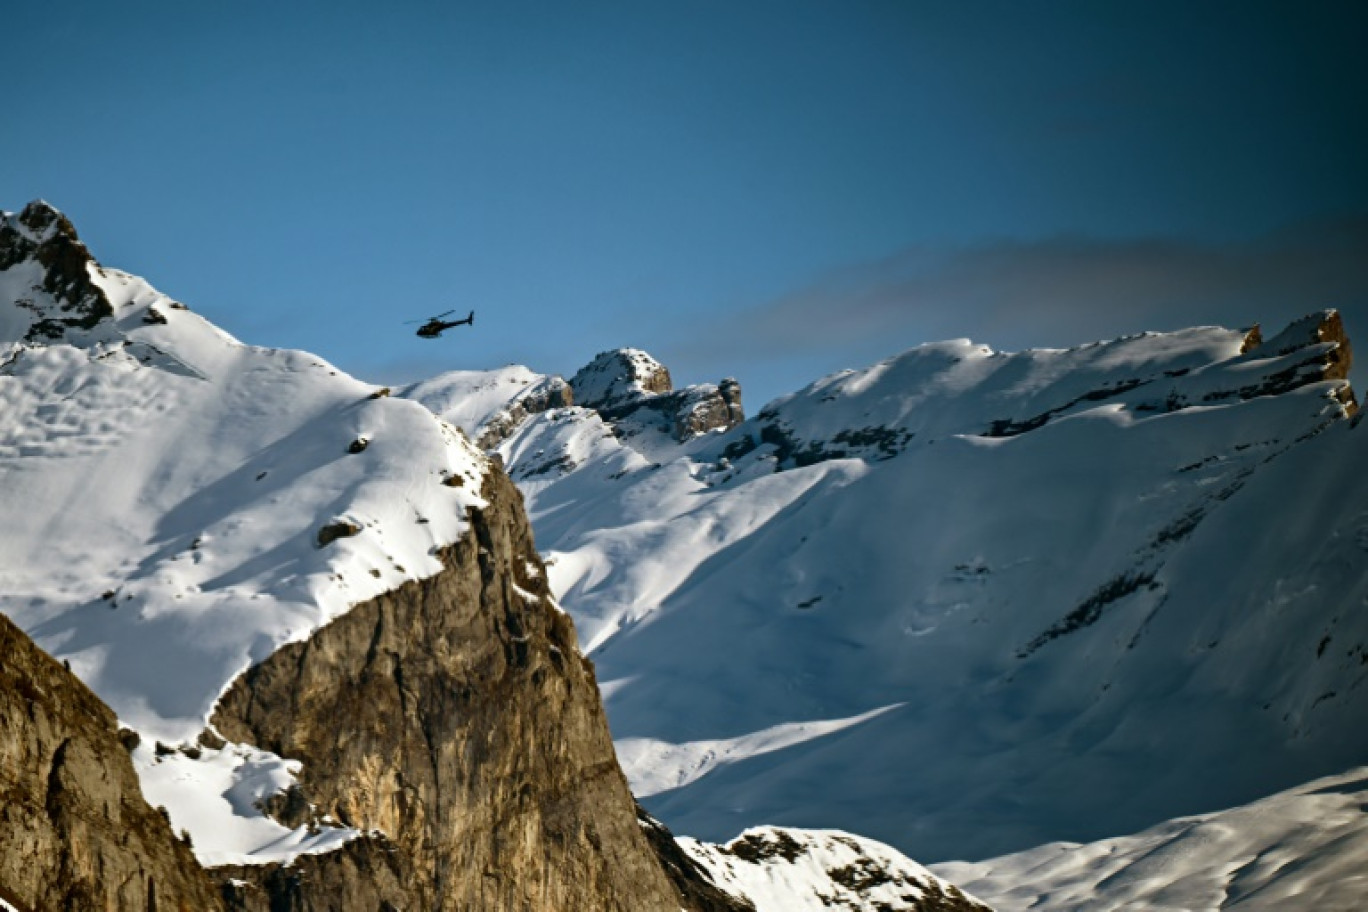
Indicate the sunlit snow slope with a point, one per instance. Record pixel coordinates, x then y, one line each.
968 602
787 870
1306 848
169 495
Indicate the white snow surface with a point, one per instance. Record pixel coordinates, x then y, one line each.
163 486
655 766
471 399
791 870
216 793
1305 848
1108 585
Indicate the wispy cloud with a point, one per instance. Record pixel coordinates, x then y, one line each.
1063 291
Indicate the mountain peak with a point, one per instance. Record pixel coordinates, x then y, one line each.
43 221
619 376
1324 353
46 270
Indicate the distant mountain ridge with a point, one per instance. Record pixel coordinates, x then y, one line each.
966 601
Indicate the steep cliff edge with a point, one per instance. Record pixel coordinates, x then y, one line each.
75 832
455 715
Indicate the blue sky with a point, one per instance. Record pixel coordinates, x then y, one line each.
765 190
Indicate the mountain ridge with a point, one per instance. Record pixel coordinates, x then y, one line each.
966 601
318 612
759 623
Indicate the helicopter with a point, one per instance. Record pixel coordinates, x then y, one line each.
435 326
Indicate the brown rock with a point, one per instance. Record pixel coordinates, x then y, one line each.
75 832
703 408
341 528
456 716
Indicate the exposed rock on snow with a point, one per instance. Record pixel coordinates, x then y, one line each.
490 405
548 393
341 528
693 881
790 870
687 413
1324 354
619 377
632 390
627 388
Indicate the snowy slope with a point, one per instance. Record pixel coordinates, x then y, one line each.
489 404
1305 848
785 870
164 488
968 602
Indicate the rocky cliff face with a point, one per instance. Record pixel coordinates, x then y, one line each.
75 832
456 716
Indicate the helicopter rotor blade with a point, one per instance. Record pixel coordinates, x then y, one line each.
430 319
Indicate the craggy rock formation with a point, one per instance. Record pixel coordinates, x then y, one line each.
619 377
825 869
1329 356
694 883
730 392
683 414
551 392
42 235
456 716
703 408
75 832
633 391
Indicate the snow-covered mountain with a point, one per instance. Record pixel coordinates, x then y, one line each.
788 870
968 602
308 622
1299 849
179 505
